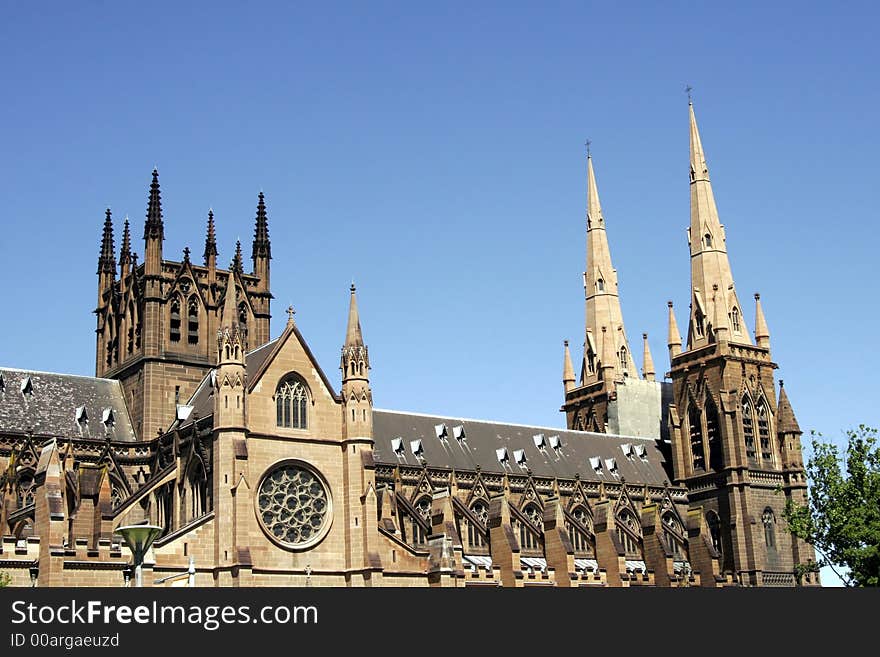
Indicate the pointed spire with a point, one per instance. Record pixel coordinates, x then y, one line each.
648 362
154 227
567 370
107 259
353 336
785 418
210 241
262 248
762 333
608 354
125 251
236 265
230 305
601 291
673 341
710 266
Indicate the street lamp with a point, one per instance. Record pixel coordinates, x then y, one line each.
139 538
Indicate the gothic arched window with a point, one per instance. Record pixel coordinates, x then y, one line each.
734 319
174 322
25 490
243 318
423 509
624 361
769 520
673 534
192 320
527 538
713 435
291 403
749 431
698 322
600 285
476 533
695 427
764 432
707 239
627 533
578 531
197 485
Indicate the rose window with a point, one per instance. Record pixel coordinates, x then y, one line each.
293 505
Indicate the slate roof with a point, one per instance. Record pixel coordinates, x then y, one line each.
483 438
52 405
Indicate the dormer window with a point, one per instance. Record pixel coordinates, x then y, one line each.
539 441
27 386
108 418
596 464
417 448
519 455
502 455
397 446
458 433
440 430
82 417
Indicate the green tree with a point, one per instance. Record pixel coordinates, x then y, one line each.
4 580
842 516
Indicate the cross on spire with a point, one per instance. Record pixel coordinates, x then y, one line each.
290 313
587 144
688 89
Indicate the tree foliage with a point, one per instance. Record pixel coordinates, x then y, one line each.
842 516
4 580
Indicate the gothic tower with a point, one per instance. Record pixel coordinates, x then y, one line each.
607 359
154 324
733 445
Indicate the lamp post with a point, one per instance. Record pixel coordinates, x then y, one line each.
139 538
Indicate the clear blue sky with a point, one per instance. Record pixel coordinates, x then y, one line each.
435 155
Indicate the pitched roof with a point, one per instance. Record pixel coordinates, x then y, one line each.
63 405
484 438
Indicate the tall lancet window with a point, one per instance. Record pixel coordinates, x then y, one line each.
695 427
174 325
600 285
734 319
713 437
624 360
291 404
749 431
192 323
764 432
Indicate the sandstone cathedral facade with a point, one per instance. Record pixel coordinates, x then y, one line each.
262 473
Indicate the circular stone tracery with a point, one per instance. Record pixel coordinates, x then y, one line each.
293 505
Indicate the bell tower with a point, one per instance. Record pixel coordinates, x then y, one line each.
732 446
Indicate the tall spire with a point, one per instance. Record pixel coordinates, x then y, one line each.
262 248
567 370
210 241
154 228
236 265
230 306
107 259
786 422
710 266
602 297
353 336
648 362
762 333
673 340
125 251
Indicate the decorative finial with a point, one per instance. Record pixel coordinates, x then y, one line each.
688 89
644 336
290 313
757 296
781 383
186 254
669 304
587 144
352 288
565 342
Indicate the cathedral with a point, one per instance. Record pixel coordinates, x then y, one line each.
262 471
